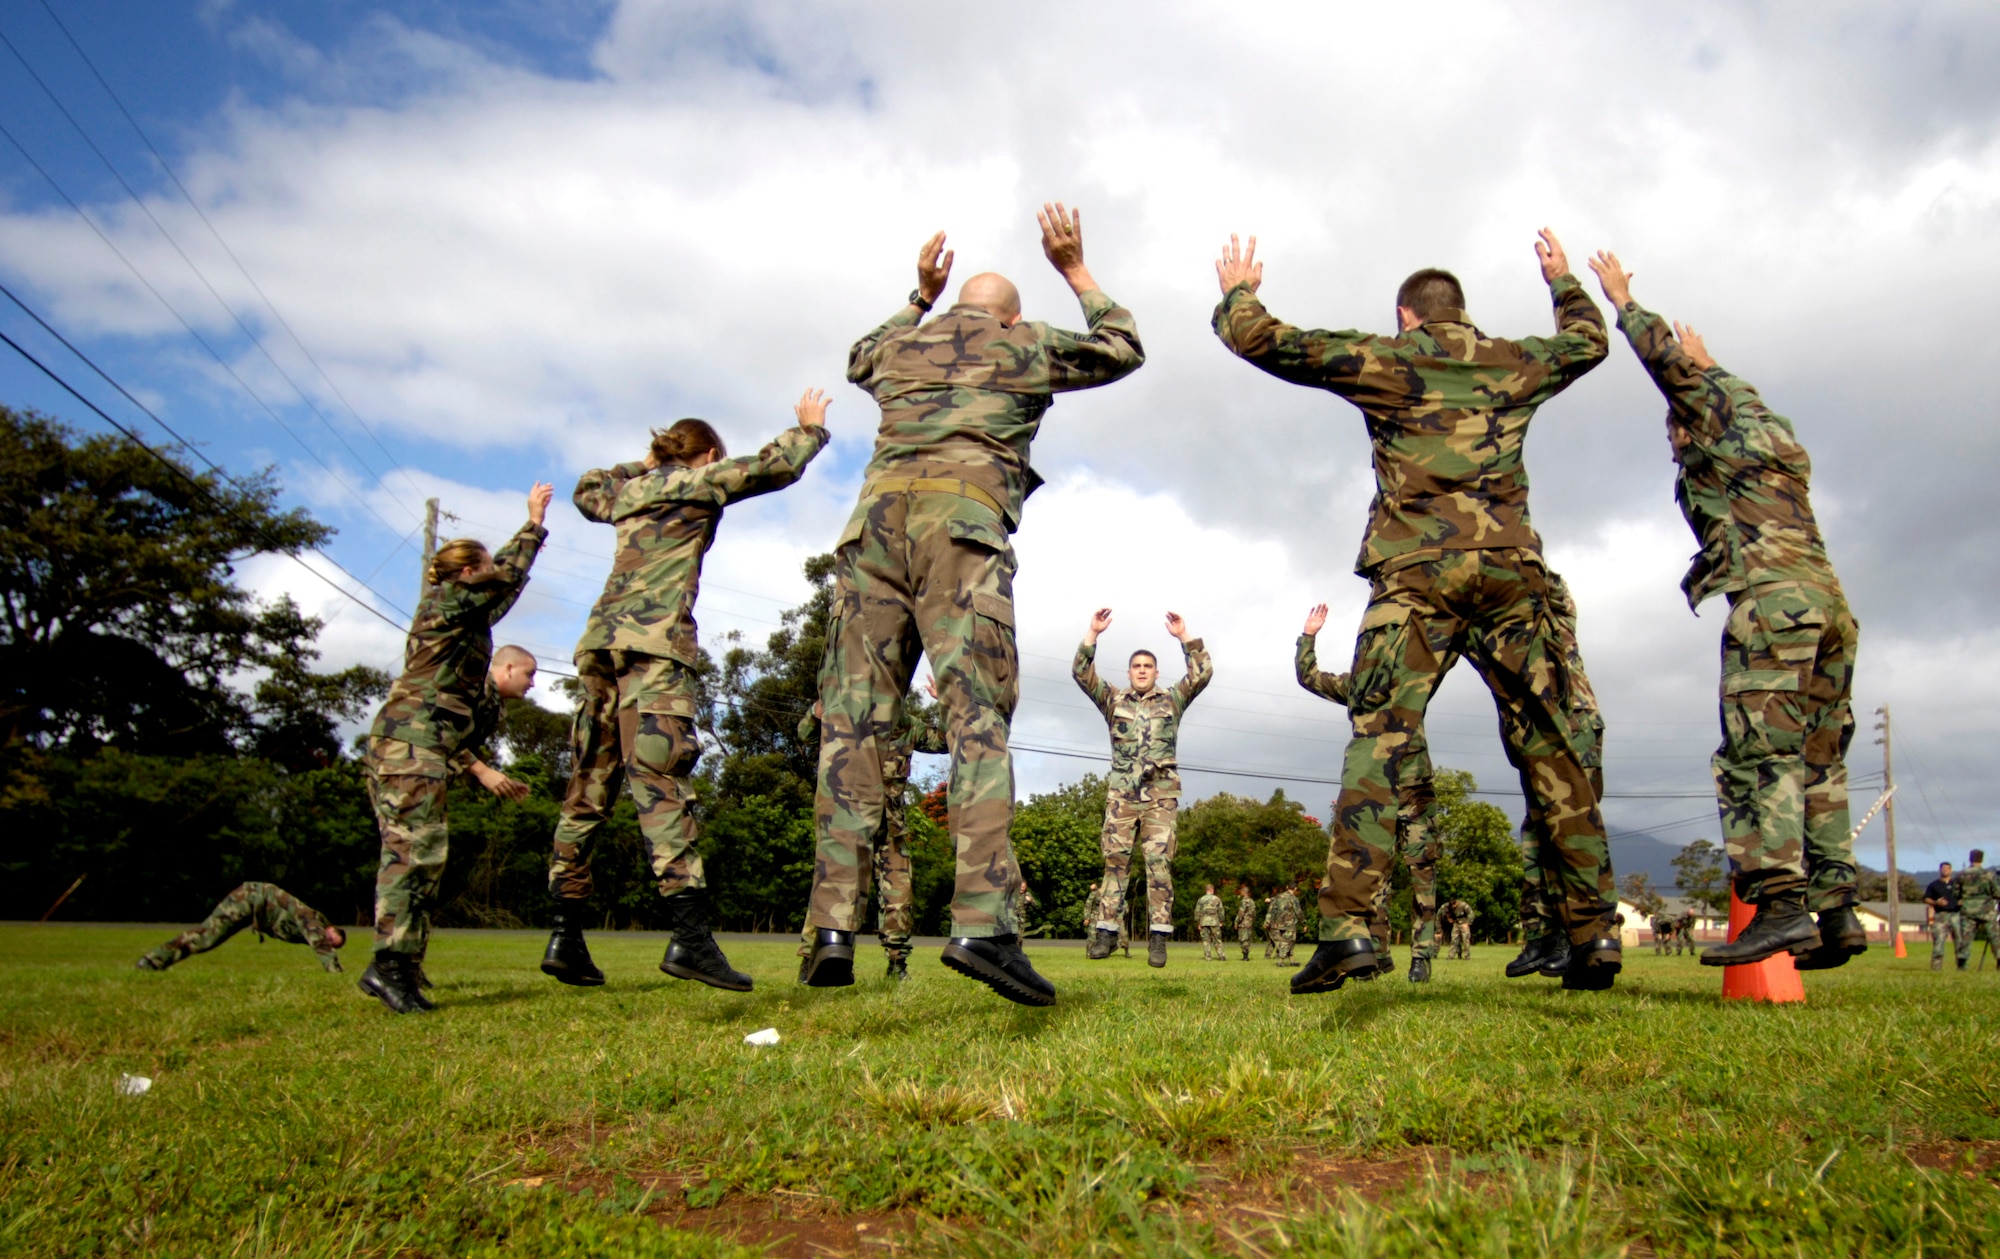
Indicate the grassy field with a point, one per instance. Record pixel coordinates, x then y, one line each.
1190 1111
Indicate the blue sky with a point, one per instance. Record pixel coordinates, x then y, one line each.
510 237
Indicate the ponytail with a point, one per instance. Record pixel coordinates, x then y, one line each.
685 442
458 554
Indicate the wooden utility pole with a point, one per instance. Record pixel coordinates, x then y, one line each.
1889 823
430 546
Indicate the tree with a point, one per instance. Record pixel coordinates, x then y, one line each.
1055 841
1639 890
1481 862
120 621
1226 839
1698 872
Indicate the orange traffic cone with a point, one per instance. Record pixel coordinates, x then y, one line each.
1900 950
1774 979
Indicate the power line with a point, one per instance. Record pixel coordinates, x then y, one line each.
212 231
182 253
51 373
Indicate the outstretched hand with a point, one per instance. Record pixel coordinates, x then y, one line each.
538 501
1062 244
1100 621
1239 265
1316 618
501 785
1549 252
1693 346
933 267
1176 626
811 408
1612 277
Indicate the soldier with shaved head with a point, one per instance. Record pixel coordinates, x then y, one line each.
925 566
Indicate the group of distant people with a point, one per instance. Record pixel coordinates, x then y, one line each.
1961 908
925 566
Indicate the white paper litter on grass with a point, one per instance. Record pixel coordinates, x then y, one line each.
134 1085
769 1036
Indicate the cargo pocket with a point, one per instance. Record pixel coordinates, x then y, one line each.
1378 657
993 648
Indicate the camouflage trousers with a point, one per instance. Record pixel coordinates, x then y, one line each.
895 908
1972 925
634 725
1148 823
928 574
1211 942
1461 940
270 909
1539 914
1788 655
1283 938
1493 607
1244 935
406 785
1949 926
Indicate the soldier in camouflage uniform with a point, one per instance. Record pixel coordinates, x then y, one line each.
1459 915
636 666
1142 793
1416 795
443 707
1663 934
1941 899
1545 947
1455 568
896 920
924 566
1685 936
1788 648
1246 918
1208 917
267 909
1283 920
1978 895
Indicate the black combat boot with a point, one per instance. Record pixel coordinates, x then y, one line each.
1594 965
1781 925
694 953
567 959
1335 962
1101 944
899 966
832 962
1543 955
999 963
390 980
1420 969
1156 949
1841 936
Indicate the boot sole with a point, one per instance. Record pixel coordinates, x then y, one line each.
829 967
382 994
1797 949
973 966
1332 980
1824 958
563 974
688 972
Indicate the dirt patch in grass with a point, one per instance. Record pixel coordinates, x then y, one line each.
792 1225
1309 1181
1974 1160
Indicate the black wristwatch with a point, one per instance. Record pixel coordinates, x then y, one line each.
917 300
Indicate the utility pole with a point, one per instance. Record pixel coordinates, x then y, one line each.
1889 823
430 546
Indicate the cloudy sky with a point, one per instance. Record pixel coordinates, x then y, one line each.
449 249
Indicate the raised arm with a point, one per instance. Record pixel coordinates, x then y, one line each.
933 270
774 467
1696 401
1199 671
490 599
1084 667
1110 349
1580 342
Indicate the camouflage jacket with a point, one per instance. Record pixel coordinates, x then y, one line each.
1284 911
1447 409
283 916
1246 912
1744 477
450 650
1145 729
1208 911
1457 911
1305 659
487 710
914 735
1976 889
963 395
666 520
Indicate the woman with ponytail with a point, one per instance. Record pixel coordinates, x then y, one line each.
440 709
636 665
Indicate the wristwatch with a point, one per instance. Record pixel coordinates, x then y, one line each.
917 300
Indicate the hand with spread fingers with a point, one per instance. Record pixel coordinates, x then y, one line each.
1238 265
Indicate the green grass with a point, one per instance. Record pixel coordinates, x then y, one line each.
1195 1110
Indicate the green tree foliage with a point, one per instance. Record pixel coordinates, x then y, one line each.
1227 839
1638 888
1482 860
1055 842
1699 870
